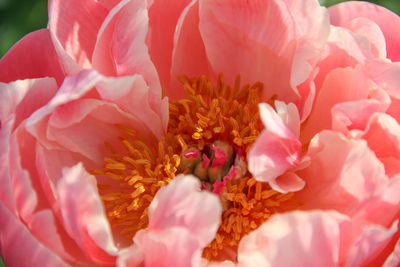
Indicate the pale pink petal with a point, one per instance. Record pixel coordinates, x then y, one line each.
370 243
258 41
290 116
163 24
135 97
343 173
72 119
75 24
340 85
181 204
342 15
84 216
288 182
383 137
34 56
130 257
275 151
189 55
386 75
174 246
344 49
19 247
182 221
121 49
21 98
294 239
371 31
384 206
356 114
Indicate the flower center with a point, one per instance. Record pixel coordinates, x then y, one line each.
209 135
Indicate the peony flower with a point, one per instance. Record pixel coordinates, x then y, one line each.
277 143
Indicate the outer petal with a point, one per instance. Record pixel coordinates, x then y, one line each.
77 109
83 214
163 24
275 151
343 174
342 15
121 49
34 56
189 54
16 240
294 239
257 40
75 29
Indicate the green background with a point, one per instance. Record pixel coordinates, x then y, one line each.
19 17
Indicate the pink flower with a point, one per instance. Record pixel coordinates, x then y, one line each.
299 167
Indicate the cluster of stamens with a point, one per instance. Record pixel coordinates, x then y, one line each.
209 134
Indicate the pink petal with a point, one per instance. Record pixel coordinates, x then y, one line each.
183 220
340 85
19 247
275 151
369 244
21 98
189 54
386 75
75 29
121 49
6 190
170 247
383 137
181 204
343 173
371 31
356 114
342 14
72 119
163 20
34 56
84 216
258 41
294 239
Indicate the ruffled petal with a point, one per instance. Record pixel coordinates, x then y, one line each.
383 137
84 216
294 239
343 173
340 85
72 119
19 247
276 151
75 29
34 56
121 48
344 13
